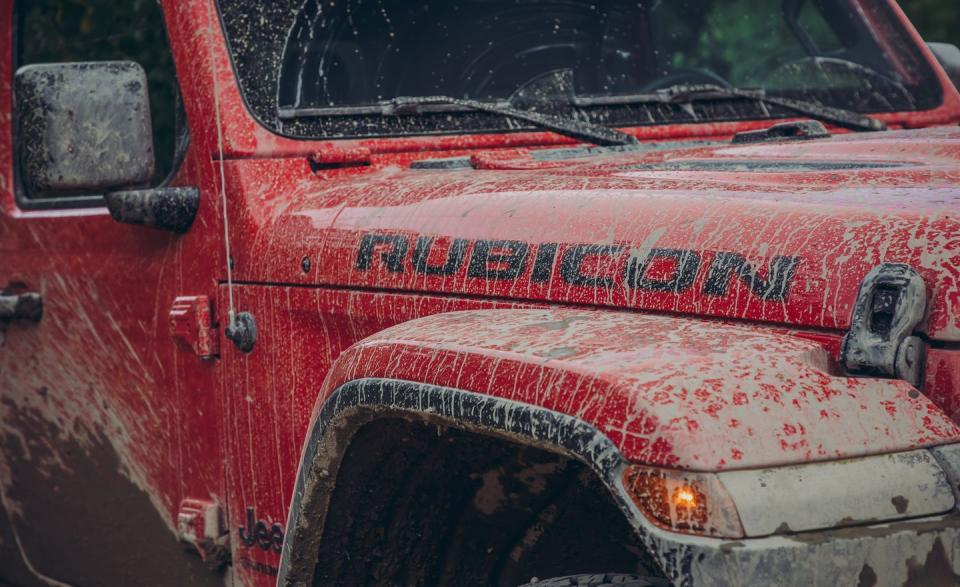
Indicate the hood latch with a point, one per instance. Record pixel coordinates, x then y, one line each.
882 340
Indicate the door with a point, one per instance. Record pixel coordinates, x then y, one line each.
105 423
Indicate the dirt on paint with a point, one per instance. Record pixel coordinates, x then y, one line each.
935 570
901 503
868 577
55 527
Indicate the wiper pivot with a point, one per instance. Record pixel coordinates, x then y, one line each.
802 130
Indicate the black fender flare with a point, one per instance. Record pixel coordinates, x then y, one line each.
363 400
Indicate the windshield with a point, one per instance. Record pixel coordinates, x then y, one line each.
321 68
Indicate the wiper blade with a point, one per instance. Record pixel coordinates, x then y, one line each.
577 129
838 116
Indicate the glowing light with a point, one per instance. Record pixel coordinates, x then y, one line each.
681 501
685 498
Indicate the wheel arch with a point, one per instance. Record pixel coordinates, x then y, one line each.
361 401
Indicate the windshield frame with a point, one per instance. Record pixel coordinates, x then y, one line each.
369 121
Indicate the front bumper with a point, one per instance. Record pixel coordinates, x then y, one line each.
923 552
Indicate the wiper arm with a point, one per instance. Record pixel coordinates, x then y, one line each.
577 129
838 116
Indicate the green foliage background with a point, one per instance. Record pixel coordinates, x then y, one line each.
937 20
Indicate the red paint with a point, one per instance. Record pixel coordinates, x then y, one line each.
714 395
192 323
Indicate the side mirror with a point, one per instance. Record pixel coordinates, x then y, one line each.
949 57
83 128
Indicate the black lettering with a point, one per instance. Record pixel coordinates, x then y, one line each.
543 265
247 536
455 256
257 532
392 259
772 289
276 533
264 540
680 280
570 265
507 257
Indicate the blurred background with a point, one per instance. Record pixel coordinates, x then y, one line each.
937 20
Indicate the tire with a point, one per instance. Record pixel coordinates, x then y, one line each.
599 580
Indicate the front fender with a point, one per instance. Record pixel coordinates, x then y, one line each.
611 388
666 391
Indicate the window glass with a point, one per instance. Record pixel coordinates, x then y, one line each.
734 40
817 28
62 31
751 43
315 68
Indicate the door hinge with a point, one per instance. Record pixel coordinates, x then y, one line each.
882 340
192 325
200 523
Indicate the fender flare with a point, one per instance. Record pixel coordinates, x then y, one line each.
362 400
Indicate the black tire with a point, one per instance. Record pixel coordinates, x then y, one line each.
599 580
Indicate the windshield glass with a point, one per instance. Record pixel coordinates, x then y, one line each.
321 68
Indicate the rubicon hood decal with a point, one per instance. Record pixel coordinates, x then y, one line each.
659 270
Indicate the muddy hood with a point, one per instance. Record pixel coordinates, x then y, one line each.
782 233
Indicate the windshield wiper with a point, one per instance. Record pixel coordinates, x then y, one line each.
595 133
700 92
577 129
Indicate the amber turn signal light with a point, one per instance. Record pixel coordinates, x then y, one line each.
680 501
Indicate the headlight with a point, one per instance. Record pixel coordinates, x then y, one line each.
692 503
815 496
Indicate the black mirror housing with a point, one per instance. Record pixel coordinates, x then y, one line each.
83 128
949 57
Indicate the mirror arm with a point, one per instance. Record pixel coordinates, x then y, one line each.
164 208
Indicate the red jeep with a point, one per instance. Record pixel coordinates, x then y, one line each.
478 292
